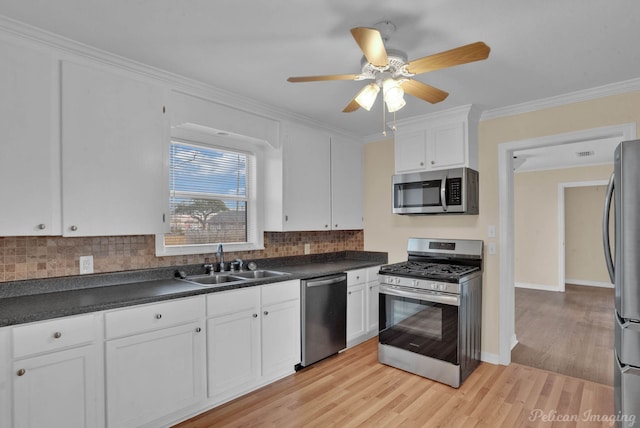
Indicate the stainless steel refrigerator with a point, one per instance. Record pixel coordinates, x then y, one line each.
624 270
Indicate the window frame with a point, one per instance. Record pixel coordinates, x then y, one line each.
255 211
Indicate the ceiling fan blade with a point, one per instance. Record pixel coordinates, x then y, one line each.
462 55
371 44
352 106
424 91
321 78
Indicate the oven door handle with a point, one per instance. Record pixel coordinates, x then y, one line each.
429 296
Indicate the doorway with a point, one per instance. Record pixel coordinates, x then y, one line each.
506 214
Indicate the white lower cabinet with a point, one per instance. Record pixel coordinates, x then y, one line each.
156 370
253 337
362 305
233 341
56 374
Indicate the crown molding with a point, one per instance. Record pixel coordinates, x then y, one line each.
560 100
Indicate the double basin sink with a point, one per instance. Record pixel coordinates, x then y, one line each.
229 278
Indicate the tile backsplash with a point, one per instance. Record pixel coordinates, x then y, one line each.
33 257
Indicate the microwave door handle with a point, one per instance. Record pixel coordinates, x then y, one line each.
443 193
606 241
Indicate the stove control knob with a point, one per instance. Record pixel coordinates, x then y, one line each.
434 286
397 280
415 283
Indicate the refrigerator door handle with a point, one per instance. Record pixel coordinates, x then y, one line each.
606 241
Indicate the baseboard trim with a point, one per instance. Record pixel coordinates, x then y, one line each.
588 283
537 286
490 358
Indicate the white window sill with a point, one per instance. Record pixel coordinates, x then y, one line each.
183 250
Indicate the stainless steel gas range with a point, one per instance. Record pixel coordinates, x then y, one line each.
431 310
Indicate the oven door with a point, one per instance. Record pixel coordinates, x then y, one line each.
420 321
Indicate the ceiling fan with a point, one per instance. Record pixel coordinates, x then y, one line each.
392 72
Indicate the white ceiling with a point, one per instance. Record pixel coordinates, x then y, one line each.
584 153
539 49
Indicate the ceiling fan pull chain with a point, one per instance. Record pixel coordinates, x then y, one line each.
384 120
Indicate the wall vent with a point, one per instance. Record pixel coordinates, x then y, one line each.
586 153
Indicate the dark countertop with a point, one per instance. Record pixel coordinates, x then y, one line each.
36 300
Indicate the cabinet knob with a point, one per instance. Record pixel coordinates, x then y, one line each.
74 228
326 226
433 162
57 335
21 372
336 225
198 329
349 293
158 316
255 315
42 226
266 312
421 163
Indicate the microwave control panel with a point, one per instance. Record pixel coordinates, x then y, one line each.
454 191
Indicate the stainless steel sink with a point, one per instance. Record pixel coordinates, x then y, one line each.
220 279
255 274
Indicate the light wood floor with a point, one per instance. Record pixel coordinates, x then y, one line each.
354 390
569 333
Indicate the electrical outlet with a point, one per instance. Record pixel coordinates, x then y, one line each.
307 248
492 248
86 264
491 231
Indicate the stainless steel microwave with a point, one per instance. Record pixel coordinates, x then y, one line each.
448 191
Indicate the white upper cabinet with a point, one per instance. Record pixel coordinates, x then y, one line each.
442 140
29 146
114 136
347 184
307 180
314 182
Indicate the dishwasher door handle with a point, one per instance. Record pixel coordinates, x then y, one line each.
324 282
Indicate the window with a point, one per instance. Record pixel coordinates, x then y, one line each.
212 199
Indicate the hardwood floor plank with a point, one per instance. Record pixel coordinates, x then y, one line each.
354 390
569 333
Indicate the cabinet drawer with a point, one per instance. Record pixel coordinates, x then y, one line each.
372 274
227 302
280 292
139 319
357 276
53 335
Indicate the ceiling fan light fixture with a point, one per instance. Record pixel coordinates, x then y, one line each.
393 95
367 96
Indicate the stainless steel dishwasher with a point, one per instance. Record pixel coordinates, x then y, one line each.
324 317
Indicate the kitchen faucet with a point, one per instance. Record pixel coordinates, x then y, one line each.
220 254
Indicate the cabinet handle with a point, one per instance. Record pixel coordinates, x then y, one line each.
158 316
266 312
42 226
21 372
74 228
198 329
57 335
255 315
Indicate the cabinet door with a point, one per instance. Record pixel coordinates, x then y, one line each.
280 338
113 142
152 375
446 146
347 184
29 147
410 151
233 352
307 180
57 390
356 313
